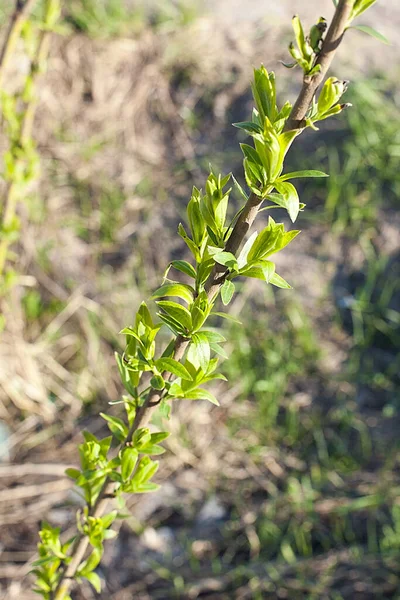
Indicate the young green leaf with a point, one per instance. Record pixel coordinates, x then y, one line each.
280 282
173 366
116 426
184 267
249 127
227 291
180 290
227 316
200 350
290 198
372 32
177 312
94 579
297 174
129 457
200 394
227 259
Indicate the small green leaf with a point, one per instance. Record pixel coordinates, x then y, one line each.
173 366
129 458
152 449
372 32
279 282
227 259
227 316
214 337
95 580
184 267
297 174
116 425
157 382
73 473
172 324
179 290
201 349
178 312
240 189
218 350
249 127
159 436
227 291
200 394
290 198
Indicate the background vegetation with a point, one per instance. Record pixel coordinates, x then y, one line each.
290 489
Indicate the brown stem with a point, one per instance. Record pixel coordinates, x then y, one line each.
331 43
242 226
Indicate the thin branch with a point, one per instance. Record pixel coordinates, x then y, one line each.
20 15
11 196
241 228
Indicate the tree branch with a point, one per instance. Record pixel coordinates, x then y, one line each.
20 15
11 196
240 230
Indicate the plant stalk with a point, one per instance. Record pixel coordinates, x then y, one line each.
333 38
20 15
11 196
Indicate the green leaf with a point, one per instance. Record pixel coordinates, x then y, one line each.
175 289
260 270
129 457
159 436
145 470
95 580
214 337
227 259
200 394
73 473
372 32
251 154
218 350
240 189
227 291
190 243
184 267
242 258
280 282
227 316
297 174
178 312
175 391
90 563
268 269
201 349
125 375
290 198
172 324
173 366
157 382
133 333
116 426
164 409
249 127
152 449
144 314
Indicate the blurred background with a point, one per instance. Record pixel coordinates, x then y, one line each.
291 488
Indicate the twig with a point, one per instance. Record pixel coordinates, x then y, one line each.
241 228
11 196
20 15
